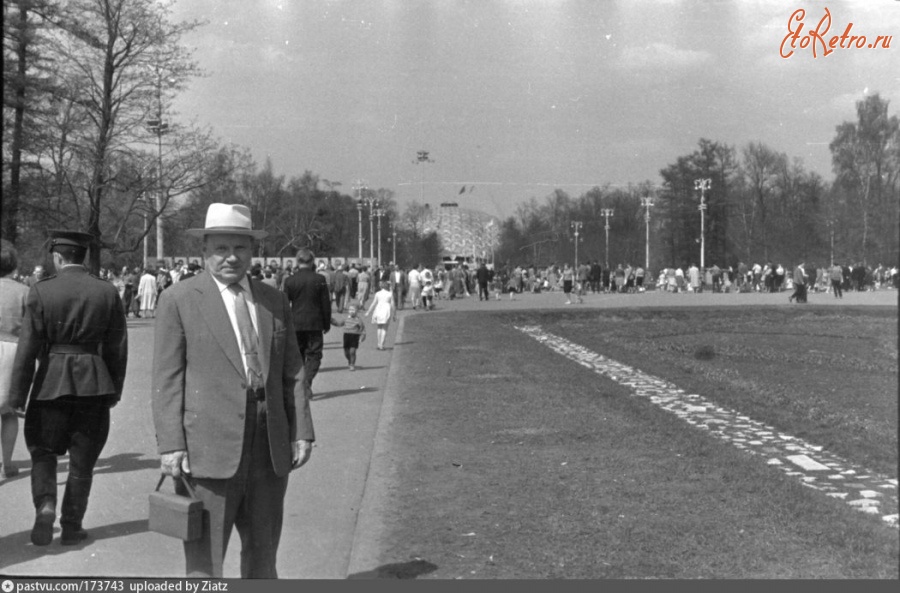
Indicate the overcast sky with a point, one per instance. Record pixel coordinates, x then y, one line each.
518 97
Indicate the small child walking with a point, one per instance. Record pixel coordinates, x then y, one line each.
428 296
354 333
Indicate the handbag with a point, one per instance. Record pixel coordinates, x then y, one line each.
175 515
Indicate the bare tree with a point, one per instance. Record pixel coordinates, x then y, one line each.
107 52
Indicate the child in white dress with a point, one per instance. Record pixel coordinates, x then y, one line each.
382 311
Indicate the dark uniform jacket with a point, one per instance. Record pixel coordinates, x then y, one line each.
310 300
74 329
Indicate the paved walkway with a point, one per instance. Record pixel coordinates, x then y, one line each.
323 497
332 520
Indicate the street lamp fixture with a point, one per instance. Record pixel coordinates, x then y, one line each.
158 127
607 213
372 201
360 186
702 185
379 212
647 203
490 227
393 243
576 224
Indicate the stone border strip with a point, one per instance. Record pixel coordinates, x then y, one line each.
814 467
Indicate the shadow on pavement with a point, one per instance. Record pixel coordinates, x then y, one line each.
401 570
343 367
23 473
17 547
343 392
125 462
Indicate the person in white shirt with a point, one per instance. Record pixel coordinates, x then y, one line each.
177 271
415 285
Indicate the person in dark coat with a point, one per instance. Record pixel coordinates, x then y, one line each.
74 331
311 308
483 276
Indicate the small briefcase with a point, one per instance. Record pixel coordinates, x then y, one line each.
175 515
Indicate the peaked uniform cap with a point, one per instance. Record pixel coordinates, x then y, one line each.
230 219
60 237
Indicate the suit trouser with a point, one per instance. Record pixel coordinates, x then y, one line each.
311 344
53 427
836 287
252 500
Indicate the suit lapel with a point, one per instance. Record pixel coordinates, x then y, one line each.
212 308
265 320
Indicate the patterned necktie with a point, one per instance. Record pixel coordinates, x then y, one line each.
249 338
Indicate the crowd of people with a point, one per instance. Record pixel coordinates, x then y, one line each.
626 278
419 287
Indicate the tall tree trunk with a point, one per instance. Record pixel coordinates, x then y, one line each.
9 228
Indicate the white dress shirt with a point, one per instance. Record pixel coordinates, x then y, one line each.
228 299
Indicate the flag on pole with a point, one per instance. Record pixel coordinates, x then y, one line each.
463 189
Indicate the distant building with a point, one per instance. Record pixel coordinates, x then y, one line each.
466 235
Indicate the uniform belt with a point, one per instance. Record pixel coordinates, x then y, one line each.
256 395
73 349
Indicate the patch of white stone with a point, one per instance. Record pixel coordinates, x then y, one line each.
868 492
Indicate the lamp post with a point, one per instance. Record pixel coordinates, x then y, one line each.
422 158
490 226
360 186
146 245
158 127
393 243
372 202
379 212
647 203
607 213
576 224
702 185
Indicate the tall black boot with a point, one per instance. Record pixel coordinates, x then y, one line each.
74 505
43 492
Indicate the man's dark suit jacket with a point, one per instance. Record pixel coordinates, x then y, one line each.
310 300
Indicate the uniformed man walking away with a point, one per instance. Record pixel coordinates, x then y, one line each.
74 332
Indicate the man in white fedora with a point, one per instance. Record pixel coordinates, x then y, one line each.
229 404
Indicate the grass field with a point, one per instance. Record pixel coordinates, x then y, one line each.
513 462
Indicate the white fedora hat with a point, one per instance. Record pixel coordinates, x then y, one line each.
230 219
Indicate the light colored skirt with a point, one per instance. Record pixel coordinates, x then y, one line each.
7 357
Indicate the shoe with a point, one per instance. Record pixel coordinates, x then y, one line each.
72 535
42 532
352 368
